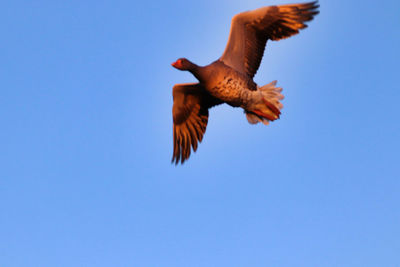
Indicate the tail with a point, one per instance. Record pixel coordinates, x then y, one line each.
266 106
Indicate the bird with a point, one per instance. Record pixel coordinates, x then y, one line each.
229 79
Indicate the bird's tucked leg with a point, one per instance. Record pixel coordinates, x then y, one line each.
265 105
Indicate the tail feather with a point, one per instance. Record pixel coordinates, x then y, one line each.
254 118
267 106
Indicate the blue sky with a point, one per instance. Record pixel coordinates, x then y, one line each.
86 140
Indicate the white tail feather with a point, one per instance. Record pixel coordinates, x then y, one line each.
269 112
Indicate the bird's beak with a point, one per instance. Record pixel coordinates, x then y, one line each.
177 64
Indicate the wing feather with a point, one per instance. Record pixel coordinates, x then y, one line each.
251 30
190 117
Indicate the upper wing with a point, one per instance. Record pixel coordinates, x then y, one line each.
250 31
190 116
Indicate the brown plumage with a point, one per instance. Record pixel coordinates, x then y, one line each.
230 78
190 115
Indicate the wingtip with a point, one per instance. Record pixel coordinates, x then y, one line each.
176 160
315 5
311 5
173 161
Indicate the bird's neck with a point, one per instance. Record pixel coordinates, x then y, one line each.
196 71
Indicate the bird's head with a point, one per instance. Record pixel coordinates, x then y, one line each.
182 64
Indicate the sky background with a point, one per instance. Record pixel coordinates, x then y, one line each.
86 139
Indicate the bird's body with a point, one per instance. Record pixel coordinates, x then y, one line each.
230 78
225 83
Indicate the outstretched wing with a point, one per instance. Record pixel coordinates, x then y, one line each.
250 31
190 116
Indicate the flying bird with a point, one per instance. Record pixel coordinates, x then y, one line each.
229 79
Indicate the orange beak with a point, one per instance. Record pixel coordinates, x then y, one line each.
177 64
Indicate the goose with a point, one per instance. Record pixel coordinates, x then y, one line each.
229 79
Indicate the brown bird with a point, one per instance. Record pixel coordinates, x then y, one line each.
230 78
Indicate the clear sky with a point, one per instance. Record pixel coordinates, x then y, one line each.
86 139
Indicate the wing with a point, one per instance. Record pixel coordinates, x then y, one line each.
250 31
190 116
